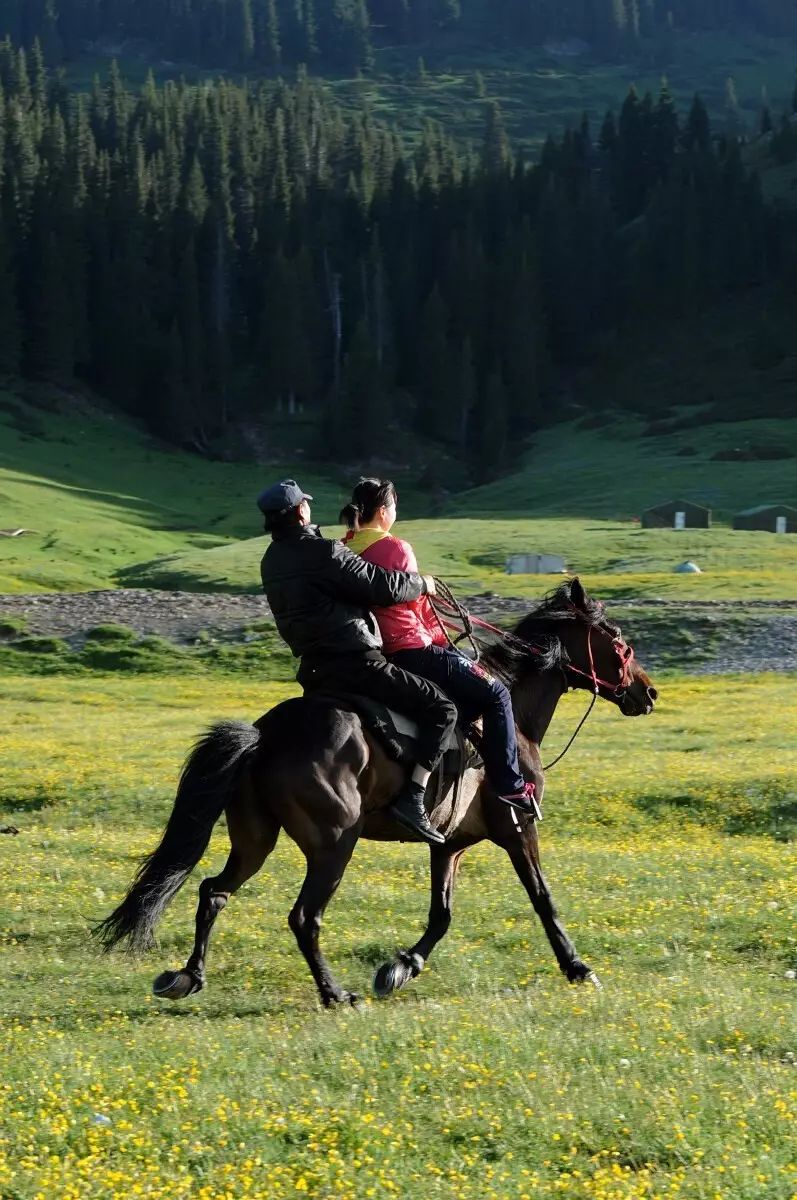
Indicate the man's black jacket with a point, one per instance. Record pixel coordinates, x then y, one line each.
320 593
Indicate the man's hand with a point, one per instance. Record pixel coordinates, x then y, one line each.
431 590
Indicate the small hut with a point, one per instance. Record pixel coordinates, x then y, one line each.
535 564
677 514
774 518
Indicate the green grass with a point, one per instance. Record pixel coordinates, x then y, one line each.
615 473
616 561
488 1077
116 649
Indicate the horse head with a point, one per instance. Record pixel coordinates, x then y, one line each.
594 655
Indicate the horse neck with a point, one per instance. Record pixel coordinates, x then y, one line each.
534 702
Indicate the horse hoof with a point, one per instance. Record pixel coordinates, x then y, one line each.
341 997
579 972
176 985
394 975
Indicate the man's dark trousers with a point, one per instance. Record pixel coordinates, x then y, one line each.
370 674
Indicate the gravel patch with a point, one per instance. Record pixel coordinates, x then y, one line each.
765 644
179 616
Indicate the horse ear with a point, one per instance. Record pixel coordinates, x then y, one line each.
577 594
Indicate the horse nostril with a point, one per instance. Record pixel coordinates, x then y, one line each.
653 695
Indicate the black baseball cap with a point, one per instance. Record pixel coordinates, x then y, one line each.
281 497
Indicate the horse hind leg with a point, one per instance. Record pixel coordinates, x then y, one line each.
253 836
408 964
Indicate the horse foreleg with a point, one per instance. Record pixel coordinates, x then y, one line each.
325 869
253 836
408 964
524 851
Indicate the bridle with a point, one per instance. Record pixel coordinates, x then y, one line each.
617 691
624 653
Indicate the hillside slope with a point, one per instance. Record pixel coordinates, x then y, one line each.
540 90
616 472
100 495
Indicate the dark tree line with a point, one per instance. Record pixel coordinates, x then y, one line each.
341 35
208 254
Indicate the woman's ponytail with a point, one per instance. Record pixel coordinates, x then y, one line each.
350 516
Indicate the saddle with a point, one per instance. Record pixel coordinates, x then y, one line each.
398 737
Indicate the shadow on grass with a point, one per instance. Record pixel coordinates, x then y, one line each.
770 812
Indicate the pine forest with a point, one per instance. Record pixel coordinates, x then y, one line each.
203 255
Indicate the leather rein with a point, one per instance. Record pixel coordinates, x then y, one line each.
624 652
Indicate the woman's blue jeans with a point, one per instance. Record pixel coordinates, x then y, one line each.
476 694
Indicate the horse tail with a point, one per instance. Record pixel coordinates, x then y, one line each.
208 783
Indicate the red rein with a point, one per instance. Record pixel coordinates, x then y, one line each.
624 652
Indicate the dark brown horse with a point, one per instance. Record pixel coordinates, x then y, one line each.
311 769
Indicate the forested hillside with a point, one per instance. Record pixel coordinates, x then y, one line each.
206 255
341 35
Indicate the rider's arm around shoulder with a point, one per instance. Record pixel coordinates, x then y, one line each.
365 583
393 554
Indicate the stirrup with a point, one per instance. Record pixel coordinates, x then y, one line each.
525 802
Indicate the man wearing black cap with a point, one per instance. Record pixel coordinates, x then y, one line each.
321 595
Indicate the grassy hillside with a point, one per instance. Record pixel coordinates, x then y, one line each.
616 560
107 505
100 496
577 495
541 93
617 472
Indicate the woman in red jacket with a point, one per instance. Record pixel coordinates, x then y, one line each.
414 640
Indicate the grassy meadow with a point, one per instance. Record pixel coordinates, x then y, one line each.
667 843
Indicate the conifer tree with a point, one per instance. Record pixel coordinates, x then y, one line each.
733 117
496 154
362 427
463 374
697 131
241 31
434 417
188 329
491 450
10 334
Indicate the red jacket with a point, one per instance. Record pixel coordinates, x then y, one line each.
410 626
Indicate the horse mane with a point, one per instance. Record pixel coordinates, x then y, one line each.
511 662
558 605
